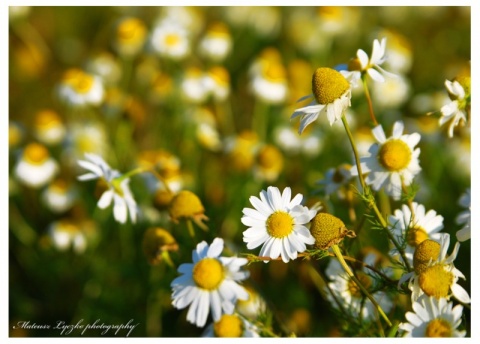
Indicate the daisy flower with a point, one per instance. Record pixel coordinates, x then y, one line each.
392 162
269 163
432 317
217 42
413 229
59 196
209 283
79 88
66 234
117 187
195 85
464 217
278 223
231 325
434 272
36 167
347 292
170 39
332 95
49 127
369 65
130 36
269 81
458 110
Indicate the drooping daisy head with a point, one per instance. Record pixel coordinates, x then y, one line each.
130 36
254 306
209 284
218 81
36 167
332 95
78 88
362 63
112 186
186 205
392 162
195 85
231 326
328 230
432 317
156 242
414 228
278 223
434 272
457 112
241 149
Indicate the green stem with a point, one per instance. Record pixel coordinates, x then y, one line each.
369 100
369 197
347 269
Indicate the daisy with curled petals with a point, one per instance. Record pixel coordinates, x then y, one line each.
392 162
370 65
116 185
209 284
432 317
332 95
464 218
458 110
413 229
434 273
278 223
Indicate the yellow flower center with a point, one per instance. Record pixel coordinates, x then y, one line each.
328 85
328 230
208 273
81 82
131 30
47 119
274 71
279 224
438 328
428 250
394 155
354 64
416 236
59 185
220 75
228 326
35 153
172 39
185 204
365 281
270 158
436 281
218 29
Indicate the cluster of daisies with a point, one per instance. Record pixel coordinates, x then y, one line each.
211 286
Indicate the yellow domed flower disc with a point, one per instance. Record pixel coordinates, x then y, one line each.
394 155
35 153
426 251
208 273
279 224
416 236
229 326
185 204
328 85
328 230
436 281
81 82
438 328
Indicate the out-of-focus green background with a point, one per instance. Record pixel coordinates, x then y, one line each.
112 280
